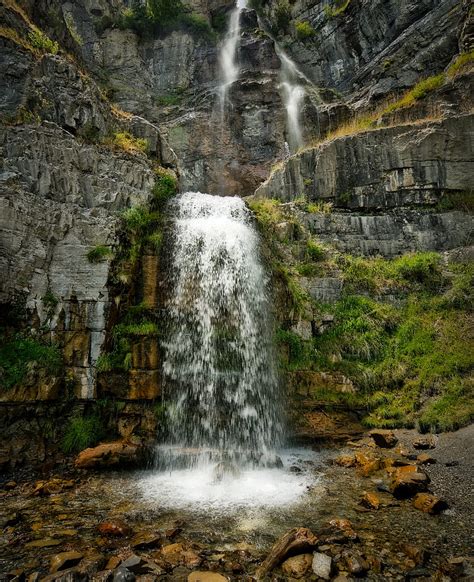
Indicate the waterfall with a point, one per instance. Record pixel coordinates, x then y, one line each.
227 59
219 368
293 95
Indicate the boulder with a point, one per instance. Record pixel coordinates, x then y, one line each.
429 503
346 461
322 565
384 438
64 560
367 464
297 566
355 563
123 575
408 481
143 541
426 442
115 454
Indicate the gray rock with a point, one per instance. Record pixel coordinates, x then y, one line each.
322 565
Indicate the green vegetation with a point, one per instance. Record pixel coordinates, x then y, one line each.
49 300
122 140
41 42
82 432
18 353
99 253
267 210
143 328
314 250
282 16
319 206
304 30
419 91
463 61
138 219
339 7
165 187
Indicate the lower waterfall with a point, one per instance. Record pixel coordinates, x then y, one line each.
222 396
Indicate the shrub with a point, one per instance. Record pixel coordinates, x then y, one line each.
82 432
304 30
18 353
122 140
197 24
99 253
267 210
315 251
165 186
138 219
155 239
43 43
298 349
319 206
144 328
419 91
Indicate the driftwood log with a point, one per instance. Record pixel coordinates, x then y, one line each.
297 541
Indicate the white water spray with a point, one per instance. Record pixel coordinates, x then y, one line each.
227 59
219 366
293 95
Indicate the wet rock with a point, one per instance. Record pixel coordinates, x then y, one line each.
425 459
346 461
9 485
297 566
407 481
460 567
384 438
9 520
297 540
114 528
367 464
113 563
172 553
417 573
191 559
370 500
44 543
355 563
115 454
429 503
415 553
121 574
52 487
206 577
322 565
226 469
145 540
136 565
427 442
64 560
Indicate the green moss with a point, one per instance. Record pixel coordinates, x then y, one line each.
82 432
304 30
43 43
99 253
155 239
18 353
462 62
144 328
338 8
125 141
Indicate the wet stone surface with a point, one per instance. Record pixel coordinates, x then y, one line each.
105 526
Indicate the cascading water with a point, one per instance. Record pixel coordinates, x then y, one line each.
219 365
223 401
293 95
227 59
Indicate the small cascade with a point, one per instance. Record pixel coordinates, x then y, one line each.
293 95
219 366
229 67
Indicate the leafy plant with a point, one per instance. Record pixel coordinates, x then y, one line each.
165 186
314 250
99 253
42 42
82 432
304 30
122 140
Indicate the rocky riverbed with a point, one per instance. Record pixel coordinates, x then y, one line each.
359 522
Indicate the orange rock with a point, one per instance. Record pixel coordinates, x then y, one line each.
346 461
384 438
425 459
407 481
116 453
370 500
113 528
297 566
429 503
367 464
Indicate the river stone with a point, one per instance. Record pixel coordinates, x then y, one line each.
297 566
322 565
207 577
116 528
123 575
64 560
384 438
407 481
429 503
